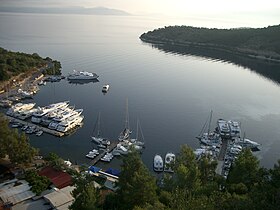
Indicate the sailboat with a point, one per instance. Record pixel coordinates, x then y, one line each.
96 137
125 134
209 138
138 142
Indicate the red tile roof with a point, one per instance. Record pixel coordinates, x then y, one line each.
59 178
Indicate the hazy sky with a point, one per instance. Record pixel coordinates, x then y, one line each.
260 10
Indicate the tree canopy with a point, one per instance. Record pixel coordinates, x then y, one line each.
14 63
15 145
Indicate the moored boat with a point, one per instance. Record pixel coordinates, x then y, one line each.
82 75
105 88
169 162
158 163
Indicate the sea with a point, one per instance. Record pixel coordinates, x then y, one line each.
169 92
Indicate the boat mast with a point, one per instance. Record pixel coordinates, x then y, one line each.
137 127
140 128
126 125
211 113
98 125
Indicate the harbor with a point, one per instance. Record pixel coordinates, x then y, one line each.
58 119
44 129
223 144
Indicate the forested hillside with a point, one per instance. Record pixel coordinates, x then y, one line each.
258 42
14 63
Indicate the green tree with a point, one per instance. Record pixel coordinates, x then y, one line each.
245 170
136 186
15 145
38 183
85 194
186 170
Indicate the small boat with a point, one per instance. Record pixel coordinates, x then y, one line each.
96 137
107 157
24 127
42 82
158 163
16 125
169 162
105 88
39 133
102 146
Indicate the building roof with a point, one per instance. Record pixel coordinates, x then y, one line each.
59 178
61 199
15 192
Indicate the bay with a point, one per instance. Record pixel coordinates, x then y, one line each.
171 94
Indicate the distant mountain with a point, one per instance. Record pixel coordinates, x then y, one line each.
65 10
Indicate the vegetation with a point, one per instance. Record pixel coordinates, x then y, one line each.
194 185
38 183
259 42
85 194
15 145
15 63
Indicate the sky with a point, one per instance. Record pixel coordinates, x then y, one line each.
260 10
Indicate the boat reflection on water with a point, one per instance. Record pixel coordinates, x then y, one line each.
81 82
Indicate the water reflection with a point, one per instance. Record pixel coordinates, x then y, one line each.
267 69
81 82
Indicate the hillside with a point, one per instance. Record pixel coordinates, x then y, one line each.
15 63
261 43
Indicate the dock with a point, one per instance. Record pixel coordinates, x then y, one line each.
44 129
109 149
221 157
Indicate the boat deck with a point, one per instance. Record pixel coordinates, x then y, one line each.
109 149
46 130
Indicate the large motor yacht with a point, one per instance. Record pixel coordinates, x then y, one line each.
82 75
37 116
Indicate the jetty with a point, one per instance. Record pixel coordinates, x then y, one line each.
221 157
112 146
46 130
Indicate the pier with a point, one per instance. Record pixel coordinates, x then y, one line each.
44 129
221 157
109 149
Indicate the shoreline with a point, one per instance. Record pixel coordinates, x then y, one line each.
235 51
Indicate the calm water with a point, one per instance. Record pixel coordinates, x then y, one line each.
171 94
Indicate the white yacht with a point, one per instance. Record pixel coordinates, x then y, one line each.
37 116
46 119
235 130
120 149
69 123
92 154
107 157
169 162
82 75
125 134
96 137
26 114
64 117
20 107
223 128
211 139
158 163
247 143
105 88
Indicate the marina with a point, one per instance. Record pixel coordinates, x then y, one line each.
57 119
44 129
223 144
